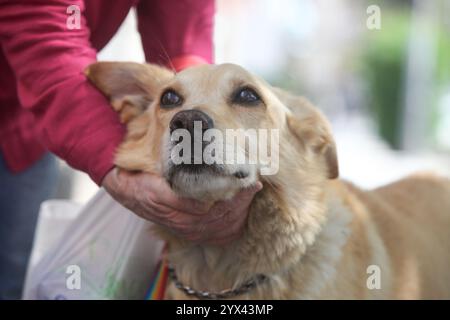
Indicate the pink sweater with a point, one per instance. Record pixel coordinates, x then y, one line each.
46 103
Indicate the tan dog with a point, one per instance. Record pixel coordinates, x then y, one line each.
309 234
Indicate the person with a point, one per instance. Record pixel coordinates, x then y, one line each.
48 106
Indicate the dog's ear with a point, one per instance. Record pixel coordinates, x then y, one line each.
129 86
311 128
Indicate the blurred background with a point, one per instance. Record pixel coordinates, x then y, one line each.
380 70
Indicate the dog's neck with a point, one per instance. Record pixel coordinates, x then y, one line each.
281 228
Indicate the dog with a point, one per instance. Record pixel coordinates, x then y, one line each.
309 235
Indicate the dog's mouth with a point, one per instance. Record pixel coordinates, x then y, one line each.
193 169
199 169
208 181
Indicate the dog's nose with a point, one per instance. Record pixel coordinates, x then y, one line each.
186 119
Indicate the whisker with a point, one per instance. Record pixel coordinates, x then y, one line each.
166 55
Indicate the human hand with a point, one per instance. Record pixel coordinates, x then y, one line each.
150 197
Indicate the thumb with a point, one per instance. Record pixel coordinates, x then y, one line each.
249 192
239 201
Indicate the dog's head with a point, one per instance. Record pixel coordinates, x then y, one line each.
211 130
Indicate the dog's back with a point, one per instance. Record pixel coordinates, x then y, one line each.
412 217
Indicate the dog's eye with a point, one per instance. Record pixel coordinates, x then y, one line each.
246 96
170 99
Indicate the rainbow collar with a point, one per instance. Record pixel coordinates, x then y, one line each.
159 282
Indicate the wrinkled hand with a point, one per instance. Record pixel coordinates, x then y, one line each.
150 197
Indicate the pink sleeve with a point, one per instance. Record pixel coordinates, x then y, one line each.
74 120
177 33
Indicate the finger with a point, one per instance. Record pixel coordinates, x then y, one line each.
242 198
235 208
225 229
149 213
203 230
250 191
163 195
209 232
224 213
157 208
188 206
183 223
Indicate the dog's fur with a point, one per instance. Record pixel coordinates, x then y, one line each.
314 236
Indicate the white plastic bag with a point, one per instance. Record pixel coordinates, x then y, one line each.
109 249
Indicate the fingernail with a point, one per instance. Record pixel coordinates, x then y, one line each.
258 186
